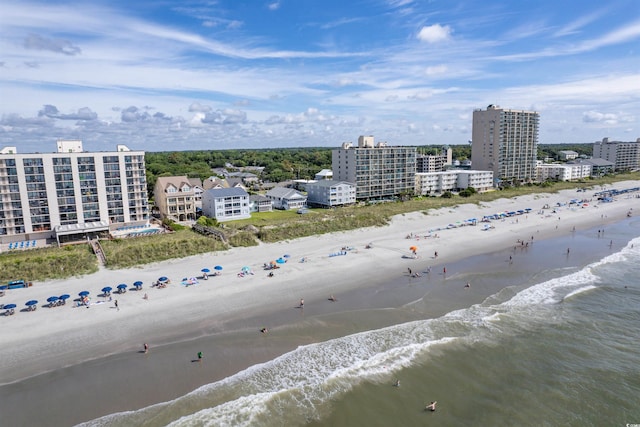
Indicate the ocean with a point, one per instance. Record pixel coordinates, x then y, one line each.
558 345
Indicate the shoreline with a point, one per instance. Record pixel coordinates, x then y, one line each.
80 338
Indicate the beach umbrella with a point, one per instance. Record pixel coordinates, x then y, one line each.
137 283
52 299
163 279
246 268
64 297
205 270
413 248
31 302
286 256
217 267
83 293
122 286
280 261
9 306
107 289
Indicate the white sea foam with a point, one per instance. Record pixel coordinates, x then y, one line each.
579 291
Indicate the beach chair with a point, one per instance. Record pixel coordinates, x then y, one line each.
21 244
26 245
10 245
33 243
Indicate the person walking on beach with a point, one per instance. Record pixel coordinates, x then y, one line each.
146 348
116 304
199 356
301 303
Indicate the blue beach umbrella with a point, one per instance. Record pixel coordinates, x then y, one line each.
31 302
280 261
137 284
52 299
122 286
83 293
286 256
64 297
163 279
107 289
205 270
9 306
217 267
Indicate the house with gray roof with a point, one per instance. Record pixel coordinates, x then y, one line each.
286 198
330 193
259 203
226 204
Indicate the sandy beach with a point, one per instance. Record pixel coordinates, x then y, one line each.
234 307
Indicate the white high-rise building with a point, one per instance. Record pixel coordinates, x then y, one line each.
505 142
70 192
378 171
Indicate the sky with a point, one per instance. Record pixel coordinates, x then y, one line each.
167 75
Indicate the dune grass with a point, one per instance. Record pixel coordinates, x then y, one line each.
122 253
47 263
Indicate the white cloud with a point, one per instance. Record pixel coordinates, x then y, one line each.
434 34
436 69
274 5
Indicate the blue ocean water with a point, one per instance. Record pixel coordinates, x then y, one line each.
562 351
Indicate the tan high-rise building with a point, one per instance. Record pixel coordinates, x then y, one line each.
378 171
71 193
505 142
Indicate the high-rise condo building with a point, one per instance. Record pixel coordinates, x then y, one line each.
70 194
624 155
505 142
378 171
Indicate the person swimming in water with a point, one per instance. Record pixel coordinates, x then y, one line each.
431 407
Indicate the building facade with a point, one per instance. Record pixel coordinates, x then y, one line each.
330 193
259 203
432 183
226 204
505 142
286 198
434 163
599 167
175 198
563 172
623 155
378 171
70 192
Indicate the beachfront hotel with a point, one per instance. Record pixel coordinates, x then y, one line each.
433 183
506 142
379 171
623 155
70 194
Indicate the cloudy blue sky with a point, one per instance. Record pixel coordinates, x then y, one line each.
217 74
